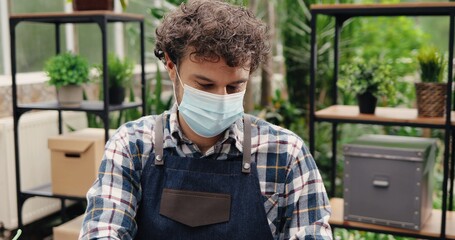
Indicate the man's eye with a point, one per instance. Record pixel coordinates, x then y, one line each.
236 88
205 86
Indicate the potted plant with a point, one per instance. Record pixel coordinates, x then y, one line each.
90 5
368 81
431 91
120 75
67 72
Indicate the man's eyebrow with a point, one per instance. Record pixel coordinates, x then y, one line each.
206 79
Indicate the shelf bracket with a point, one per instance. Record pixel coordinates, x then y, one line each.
341 19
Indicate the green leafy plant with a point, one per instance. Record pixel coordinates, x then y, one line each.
119 72
431 64
360 76
67 69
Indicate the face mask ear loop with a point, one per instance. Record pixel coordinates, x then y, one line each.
178 75
180 81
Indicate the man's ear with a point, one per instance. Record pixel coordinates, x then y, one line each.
170 67
168 61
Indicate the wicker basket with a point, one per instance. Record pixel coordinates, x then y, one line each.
431 99
87 5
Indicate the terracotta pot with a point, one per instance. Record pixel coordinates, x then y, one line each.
92 5
70 96
367 103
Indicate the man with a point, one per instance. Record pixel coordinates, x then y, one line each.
204 170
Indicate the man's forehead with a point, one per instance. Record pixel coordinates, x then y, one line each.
192 55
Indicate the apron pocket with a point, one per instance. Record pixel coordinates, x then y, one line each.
195 209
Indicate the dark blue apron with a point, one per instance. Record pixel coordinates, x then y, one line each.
201 198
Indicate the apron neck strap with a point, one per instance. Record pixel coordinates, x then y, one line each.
159 130
246 162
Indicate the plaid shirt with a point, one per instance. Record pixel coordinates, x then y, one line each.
294 194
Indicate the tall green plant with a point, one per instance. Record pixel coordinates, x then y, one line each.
431 64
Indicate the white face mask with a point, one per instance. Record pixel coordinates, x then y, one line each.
209 114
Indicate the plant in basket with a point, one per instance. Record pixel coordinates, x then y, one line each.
368 80
120 76
68 72
431 90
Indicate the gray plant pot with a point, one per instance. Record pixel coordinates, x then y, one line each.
70 96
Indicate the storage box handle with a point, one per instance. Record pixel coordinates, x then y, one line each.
72 155
381 182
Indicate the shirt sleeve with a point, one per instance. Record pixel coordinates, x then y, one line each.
112 201
309 208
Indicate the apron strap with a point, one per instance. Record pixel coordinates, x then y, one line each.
246 163
159 130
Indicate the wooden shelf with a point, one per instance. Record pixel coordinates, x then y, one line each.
430 229
400 9
403 116
76 17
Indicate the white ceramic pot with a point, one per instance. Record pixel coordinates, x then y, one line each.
70 95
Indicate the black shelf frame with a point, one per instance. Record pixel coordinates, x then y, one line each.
100 108
343 12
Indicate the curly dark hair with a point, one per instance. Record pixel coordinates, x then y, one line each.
209 30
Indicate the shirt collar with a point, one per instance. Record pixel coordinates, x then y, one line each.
233 134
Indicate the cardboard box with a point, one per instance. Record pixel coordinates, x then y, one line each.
387 180
75 159
69 230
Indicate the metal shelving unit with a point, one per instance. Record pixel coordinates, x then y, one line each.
442 223
100 108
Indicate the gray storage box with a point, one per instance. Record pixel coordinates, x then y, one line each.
387 180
